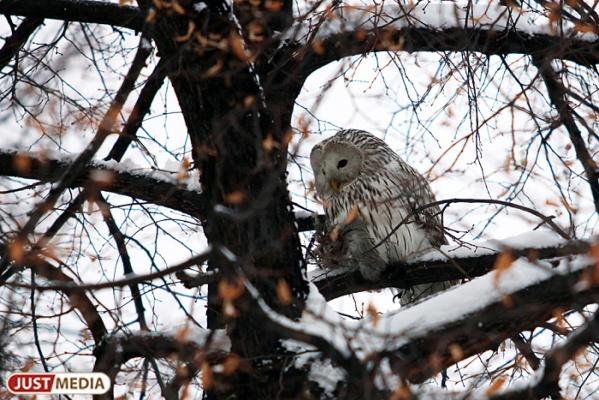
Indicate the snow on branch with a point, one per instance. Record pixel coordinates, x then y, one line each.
450 263
488 28
98 12
480 314
419 341
156 187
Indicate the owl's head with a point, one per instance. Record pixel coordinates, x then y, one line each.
335 165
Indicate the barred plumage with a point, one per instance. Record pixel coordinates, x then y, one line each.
370 198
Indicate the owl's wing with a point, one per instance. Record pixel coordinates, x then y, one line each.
350 246
361 248
414 192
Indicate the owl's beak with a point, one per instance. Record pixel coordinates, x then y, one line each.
334 185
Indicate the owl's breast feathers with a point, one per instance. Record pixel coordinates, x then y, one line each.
386 204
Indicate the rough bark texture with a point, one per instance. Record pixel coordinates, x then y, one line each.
237 96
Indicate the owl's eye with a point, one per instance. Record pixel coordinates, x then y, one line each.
342 163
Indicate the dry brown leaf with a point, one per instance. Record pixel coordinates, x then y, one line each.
231 364
238 47
573 210
269 144
456 352
373 313
435 361
287 137
273 5
361 35
283 292
29 363
207 376
255 32
495 386
215 69
151 17
16 250
177 7
236 197
230 290
318 47
584 27
21 163
183 172
558 314
502 263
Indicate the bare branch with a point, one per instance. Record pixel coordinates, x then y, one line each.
406 275
141 186
309 223
546 383
96 12
557 94
321 39
13 44
139 111
127 281
77 297
427 354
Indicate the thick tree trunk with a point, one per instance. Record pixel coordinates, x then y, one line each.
239 145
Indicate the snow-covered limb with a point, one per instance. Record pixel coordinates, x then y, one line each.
438 15
152 186
98 12
421 340
436 267
488 28
481 314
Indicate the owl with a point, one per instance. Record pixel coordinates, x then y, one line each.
367 191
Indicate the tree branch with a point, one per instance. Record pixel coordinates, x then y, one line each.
557 94
121 245
138 113
427 354
14 43
406 275
322 38
99 175
127 281
77 296
117 350
306 223
546 383
97 12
